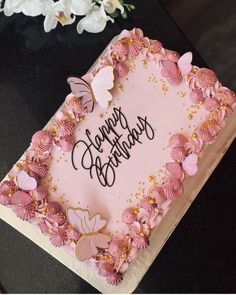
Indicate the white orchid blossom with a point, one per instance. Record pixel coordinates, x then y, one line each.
28 7
112 5
96 12
81 7
95 21
57 12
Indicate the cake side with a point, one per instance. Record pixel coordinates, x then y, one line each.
182 154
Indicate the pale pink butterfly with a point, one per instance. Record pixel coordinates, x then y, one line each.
97 90
184 63
88 226
189 165
26 182
174 72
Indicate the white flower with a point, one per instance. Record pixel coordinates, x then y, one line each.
95 21
57 12
81 7
112 5
28 7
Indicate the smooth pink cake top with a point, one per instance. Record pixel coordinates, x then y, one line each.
103 173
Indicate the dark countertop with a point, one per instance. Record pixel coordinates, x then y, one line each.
200 254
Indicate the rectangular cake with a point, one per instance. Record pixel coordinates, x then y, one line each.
104 183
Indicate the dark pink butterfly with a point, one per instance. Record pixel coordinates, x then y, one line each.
82 90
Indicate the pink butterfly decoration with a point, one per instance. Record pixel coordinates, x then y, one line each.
26 182
97 90
189 165
173 72
89 227
81 89
184 63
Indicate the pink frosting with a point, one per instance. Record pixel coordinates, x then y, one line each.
208 130
72 234
173 188
177 140
40 193
121 70
58 237
211 104
116 248
74 105
206 78
178 154
41 141
6 190
64 128
140 234
132 41
129 215
66 143
196 96
53 207
115 278
23 205
194 145
171 72
38 169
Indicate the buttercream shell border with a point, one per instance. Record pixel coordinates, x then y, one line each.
28 198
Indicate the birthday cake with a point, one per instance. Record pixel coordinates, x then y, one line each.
102 174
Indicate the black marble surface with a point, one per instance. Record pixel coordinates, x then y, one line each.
200 254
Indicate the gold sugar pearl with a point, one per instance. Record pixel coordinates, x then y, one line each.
194 135
142 234
53 189
189 117
135 211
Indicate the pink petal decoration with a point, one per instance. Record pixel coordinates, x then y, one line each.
211 104
20 198
114 279
171 72
40 193
196 96
66 143
177 140
128 216
175 170
190 164
42 141
58 237
205 78
38 169
26 182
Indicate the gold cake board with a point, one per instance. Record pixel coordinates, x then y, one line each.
141 264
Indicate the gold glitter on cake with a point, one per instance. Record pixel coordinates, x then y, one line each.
189 117
181 93
144 63
100 116
152 79
120 87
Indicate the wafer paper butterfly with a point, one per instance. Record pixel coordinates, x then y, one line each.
26 182
174 72
88 226
189 165
97 90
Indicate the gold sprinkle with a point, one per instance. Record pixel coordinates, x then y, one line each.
53 189
189 117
